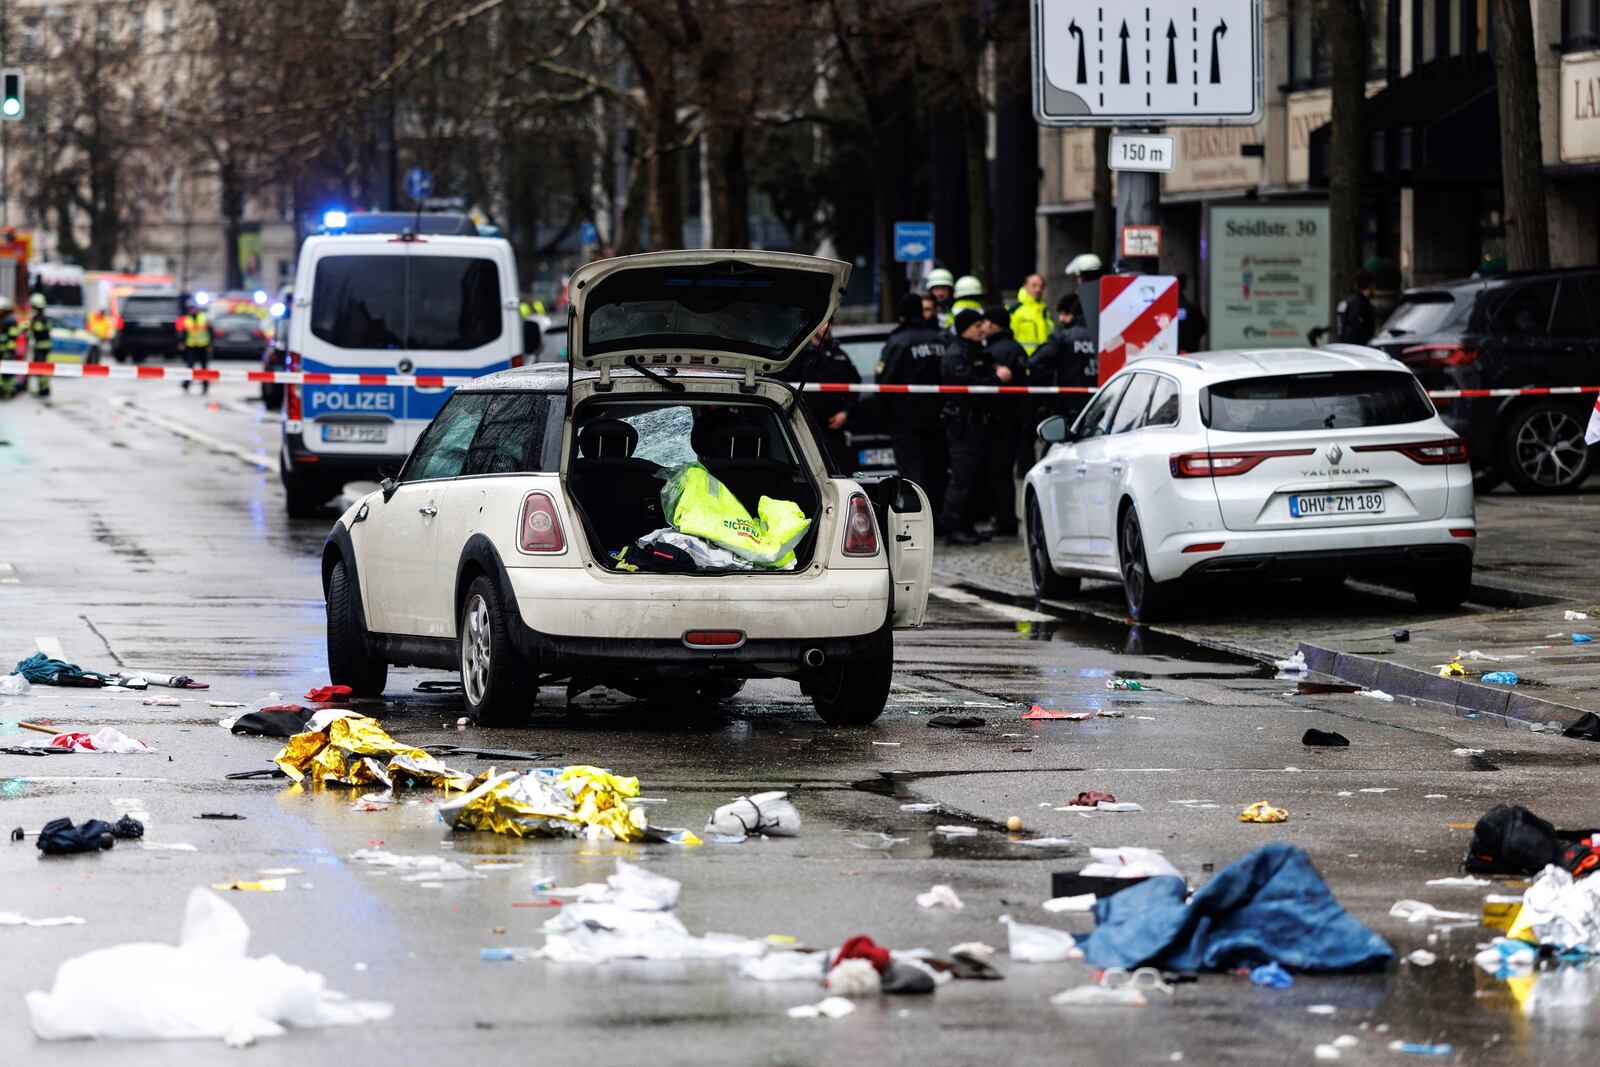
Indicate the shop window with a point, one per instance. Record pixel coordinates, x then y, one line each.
1311 59
1580 25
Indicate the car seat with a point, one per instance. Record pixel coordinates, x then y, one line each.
737 449
620 494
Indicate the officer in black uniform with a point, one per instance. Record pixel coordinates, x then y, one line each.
1357 322
912 356
822 360
1008 421
966 426
1068 357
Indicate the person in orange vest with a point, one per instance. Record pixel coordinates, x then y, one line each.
196 329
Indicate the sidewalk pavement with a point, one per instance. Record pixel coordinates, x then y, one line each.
1537 557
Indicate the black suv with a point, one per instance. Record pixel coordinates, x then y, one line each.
1526 329
149 326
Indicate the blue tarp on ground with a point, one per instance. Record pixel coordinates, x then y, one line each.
1270 905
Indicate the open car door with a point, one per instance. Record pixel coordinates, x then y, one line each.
906 519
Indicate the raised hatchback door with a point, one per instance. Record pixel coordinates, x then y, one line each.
910 535
705 309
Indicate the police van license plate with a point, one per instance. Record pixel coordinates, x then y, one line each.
1301 507
356 433
877 457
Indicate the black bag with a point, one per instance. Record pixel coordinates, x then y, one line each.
1511 840
273 722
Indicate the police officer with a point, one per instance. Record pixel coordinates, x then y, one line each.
196 343
39 343
911 356
10 330
941 285
1008 418
1357 322
1069 357
822 360
966 427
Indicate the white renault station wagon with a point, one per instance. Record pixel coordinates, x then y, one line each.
528 541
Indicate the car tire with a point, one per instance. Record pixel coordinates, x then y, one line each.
1443 587
302 496
1148 600
349 660
492 683
1047 583
1542 449
854 694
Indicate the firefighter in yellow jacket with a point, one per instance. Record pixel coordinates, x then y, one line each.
39 344
10 330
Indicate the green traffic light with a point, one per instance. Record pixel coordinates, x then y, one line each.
11 107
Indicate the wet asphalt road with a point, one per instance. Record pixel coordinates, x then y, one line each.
133 546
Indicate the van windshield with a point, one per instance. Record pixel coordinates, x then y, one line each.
449 303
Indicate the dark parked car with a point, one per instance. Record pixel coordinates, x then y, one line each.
149 327
1527 329
863 343
238 336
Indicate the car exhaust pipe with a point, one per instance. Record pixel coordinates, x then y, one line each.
812 657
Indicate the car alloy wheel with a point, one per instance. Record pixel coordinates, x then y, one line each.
1549 448
477 643
1135 578
1046 582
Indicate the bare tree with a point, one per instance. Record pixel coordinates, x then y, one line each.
1347 43
1521 149
1102 226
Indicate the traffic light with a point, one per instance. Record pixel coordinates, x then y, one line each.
11 95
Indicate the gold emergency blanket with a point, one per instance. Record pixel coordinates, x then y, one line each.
576 801
354 750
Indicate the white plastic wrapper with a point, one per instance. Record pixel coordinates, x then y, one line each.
786 967
940 896
14 685
205 986
761 813
600 933
1564 914
1130 862
706 555
1039 944
640 890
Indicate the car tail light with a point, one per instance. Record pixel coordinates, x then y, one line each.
539 529
1207 546
517 359
1443 355
713 638
860 528
1463 532
1427 453
1224 464
291 403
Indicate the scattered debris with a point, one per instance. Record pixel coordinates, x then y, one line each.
1422 958
205 986
956 831
11 918
1295 664
575 801
1417 911
328 694
1500 678
1587 728
106 739
940 896
345 748
1261 811
956 722
285 720
1271 976
763 813
1420 1049
1463 882
1038 712
1326 738
829 1008
1081 903
1375 694
919 808
59 837
266 885
1039 944
1574 616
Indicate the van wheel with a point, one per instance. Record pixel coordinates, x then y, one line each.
1047 584
302 498
1542 449
1148 599
491 682
854 694
349 661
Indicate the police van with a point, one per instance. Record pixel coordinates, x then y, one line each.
387 294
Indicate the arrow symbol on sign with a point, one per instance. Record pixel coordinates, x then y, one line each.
1172 53
1221 30
1124 35
1083 68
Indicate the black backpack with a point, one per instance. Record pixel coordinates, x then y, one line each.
1511 839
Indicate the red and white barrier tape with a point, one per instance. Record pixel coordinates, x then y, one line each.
139 372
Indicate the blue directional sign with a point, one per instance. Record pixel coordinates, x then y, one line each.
419 184
913 242
587 234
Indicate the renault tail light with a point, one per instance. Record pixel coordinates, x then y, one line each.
860 528
1427 453
539 529
1224 464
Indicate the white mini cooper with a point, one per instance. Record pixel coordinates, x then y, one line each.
508 546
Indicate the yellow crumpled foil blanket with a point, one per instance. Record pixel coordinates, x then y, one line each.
576 801
354 750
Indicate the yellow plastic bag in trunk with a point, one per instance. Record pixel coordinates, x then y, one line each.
696 503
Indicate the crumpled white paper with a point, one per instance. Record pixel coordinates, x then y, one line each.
600 933
1039 944
1564 913
1128 862
205 986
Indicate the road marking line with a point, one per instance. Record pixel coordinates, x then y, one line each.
256 460
50 647
1005 611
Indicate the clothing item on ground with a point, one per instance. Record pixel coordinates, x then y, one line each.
1269 905
1326 738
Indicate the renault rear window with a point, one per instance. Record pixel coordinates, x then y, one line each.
410 302
1330 401
726 306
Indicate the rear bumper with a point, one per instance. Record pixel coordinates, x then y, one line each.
661 657
295 458
1290 553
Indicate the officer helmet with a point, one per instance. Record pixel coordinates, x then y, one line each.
939 276
967 285
1086 263
37 300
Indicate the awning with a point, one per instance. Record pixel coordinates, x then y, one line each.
1439 125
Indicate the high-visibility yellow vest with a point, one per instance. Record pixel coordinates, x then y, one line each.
196 330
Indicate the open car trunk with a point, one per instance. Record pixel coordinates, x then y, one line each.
627 445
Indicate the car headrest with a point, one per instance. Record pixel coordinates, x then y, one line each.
727 435
607 439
